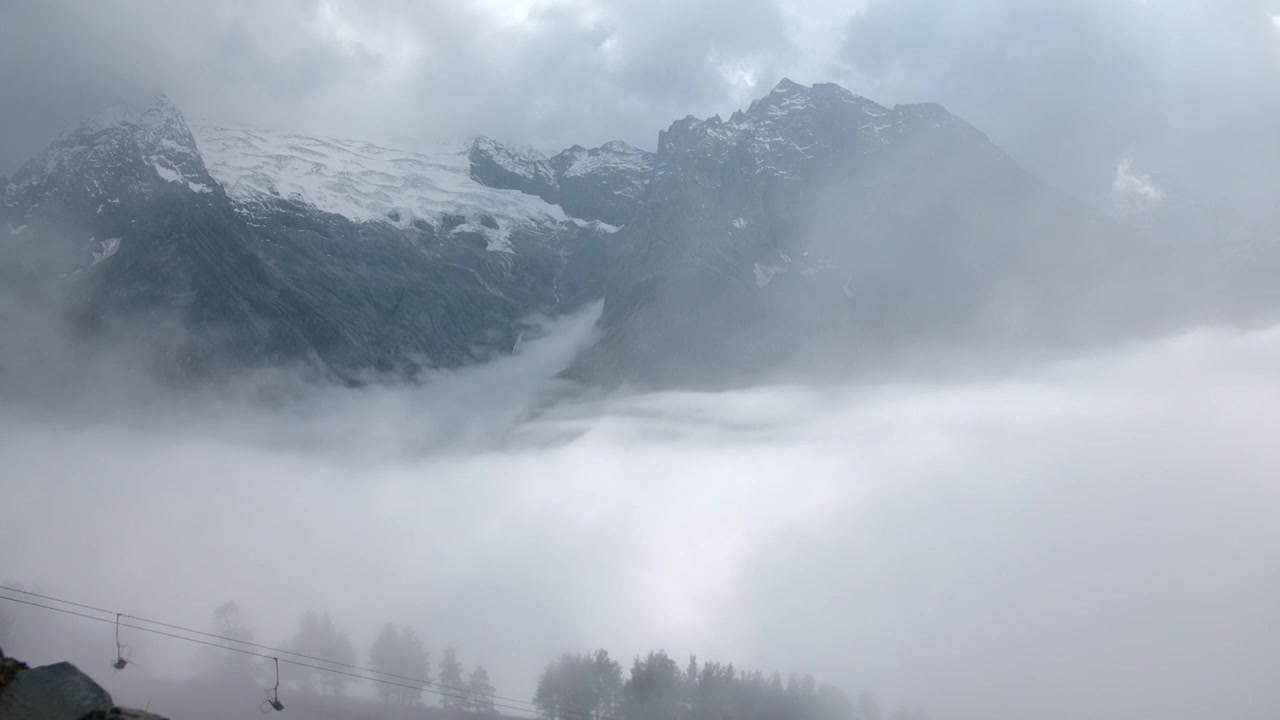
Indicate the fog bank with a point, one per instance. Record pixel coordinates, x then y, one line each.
1092 538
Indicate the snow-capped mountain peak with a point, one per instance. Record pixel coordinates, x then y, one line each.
128 146
796 124
615 155
525 162
154 119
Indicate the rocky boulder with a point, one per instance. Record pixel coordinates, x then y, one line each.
9 669
53 692
56 692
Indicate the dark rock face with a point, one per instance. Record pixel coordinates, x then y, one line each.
122 221
121 218
119 713
500 166
98 178
604 183
53 692
396 298
9 668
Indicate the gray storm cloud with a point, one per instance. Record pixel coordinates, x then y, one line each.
546 73
1187 85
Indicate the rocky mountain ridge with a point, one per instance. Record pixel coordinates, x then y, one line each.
818 231
814 229
603 183
345 256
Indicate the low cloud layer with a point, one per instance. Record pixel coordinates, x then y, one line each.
1093 538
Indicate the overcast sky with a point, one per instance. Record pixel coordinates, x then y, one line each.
1187 89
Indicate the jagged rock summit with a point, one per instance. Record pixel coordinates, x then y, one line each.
817 231
604 183
115 155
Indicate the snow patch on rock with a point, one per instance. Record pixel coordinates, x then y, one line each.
110 247
496 239
764 274
611 157
168 174
598 225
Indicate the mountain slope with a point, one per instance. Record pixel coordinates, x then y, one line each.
815 231
818 230
340 254
121 218
603 183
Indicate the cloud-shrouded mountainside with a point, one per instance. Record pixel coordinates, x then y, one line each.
254 247
816 229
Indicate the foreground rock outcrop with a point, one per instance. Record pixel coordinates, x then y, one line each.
56 692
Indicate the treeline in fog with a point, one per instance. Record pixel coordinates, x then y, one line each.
397 653
395 676
592 686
